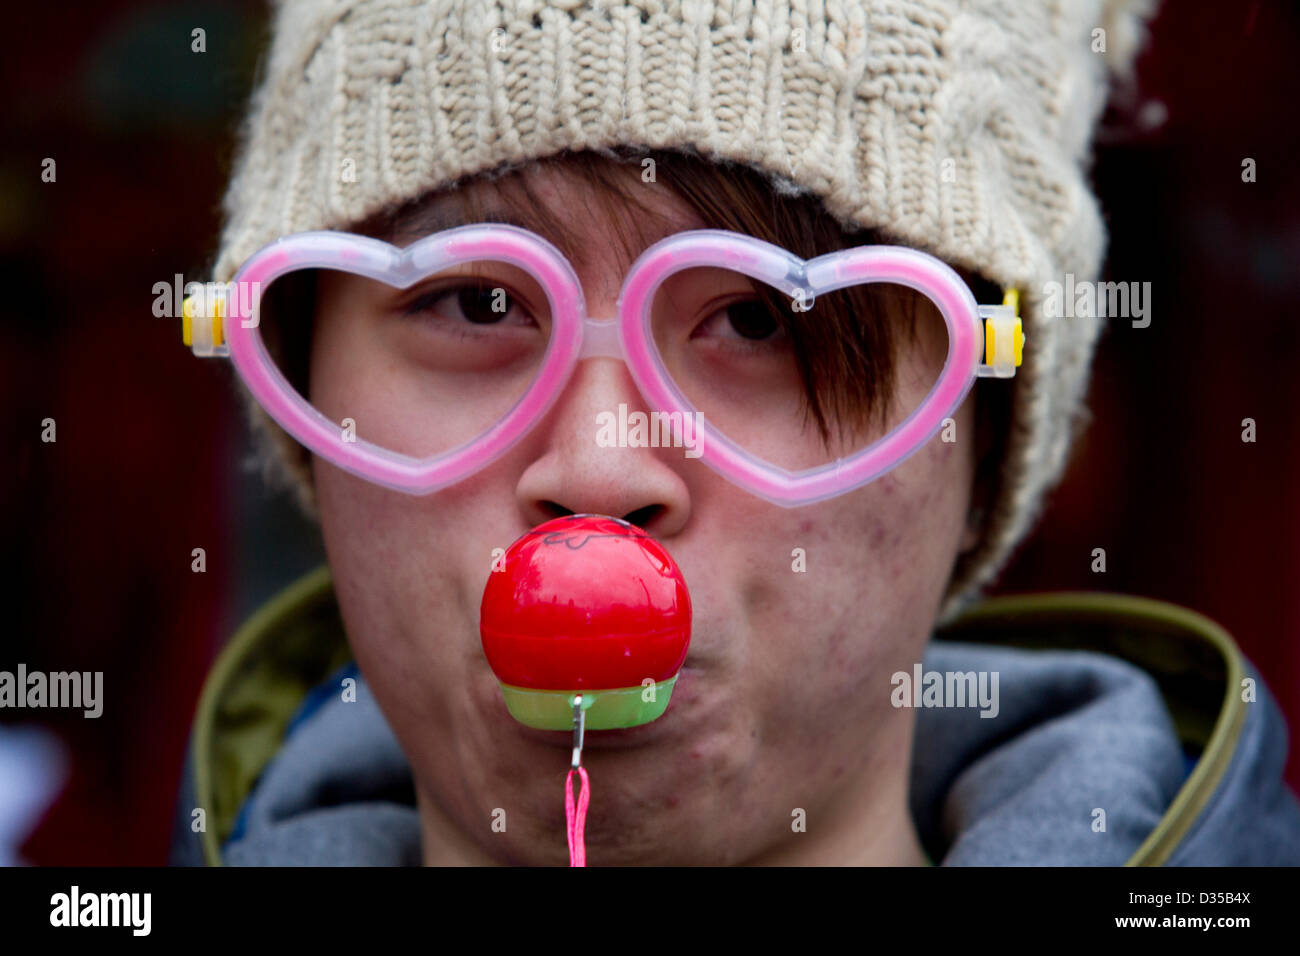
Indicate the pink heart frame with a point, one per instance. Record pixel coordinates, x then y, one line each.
576 336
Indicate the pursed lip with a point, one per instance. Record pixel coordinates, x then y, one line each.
670 722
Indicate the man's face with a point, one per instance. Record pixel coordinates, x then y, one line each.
783 701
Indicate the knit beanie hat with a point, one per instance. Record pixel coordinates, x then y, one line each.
960 127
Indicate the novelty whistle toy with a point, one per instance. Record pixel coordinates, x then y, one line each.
585 621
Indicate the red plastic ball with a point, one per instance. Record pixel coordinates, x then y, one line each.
585 602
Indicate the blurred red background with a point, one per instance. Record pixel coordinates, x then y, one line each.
149 461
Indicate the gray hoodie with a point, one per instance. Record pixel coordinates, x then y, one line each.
1124 731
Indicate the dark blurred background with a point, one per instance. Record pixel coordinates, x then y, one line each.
151 455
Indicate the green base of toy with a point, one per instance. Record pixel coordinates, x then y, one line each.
604 709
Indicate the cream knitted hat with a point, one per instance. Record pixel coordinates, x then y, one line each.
961 127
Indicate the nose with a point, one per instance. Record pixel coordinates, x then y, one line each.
575 473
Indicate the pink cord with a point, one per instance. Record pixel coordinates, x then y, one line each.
576 822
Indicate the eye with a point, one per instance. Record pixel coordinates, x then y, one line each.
747 320
475 303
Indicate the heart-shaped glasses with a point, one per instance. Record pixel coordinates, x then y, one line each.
415 368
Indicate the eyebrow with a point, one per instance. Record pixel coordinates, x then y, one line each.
431 217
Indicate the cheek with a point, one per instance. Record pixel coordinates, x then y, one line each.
346 366
914 521
396 574
877 562
409 572
370 536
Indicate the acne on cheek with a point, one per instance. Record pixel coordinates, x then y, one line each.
910 537
876 549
